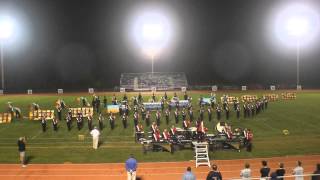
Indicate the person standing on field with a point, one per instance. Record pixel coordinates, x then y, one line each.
298 171
131 168
22 150
95 137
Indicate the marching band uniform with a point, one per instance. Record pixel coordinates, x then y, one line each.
183 114
228 132
98 104
227 112
162 104
201 111
44 124
218 110
68 120
235 104
156 135
158 116
154 127
167 115
55 124
135 118
111 121
176 116
139 131
124 120
59 113
173 131
191 114
169 106
209 114
153 97
79 122
100 119
148 116
143 113
166 135
252 110
114 99
69 113
244 110
238 111
165 96
90 122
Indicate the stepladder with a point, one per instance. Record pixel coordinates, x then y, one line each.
201 154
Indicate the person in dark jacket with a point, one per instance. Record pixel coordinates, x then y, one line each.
22 150
265 170
214 174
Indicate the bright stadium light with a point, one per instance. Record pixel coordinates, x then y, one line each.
296 26
152 33
6 31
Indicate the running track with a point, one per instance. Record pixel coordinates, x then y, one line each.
154 171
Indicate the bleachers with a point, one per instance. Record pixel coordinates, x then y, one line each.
160 80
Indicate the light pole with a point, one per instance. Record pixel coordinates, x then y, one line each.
297 25
6 30
2 67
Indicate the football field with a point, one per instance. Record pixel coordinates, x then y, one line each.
300 117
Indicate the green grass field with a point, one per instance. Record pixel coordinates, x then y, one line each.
301 117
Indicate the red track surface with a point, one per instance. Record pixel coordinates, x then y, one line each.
153 171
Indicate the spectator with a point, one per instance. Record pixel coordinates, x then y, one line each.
316 177
281 171
131 168
22 150
246 172
298 171
265 170
188 175
214 174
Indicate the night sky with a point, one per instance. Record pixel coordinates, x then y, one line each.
79 44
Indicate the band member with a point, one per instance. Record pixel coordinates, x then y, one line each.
79 123
238 111
55 124
245 113
201 112
125 97
68 120
166 135
112 118
135 118
114 100
167 115
228 131
44 123
158 117
252 110
135 108
191 114
200 130
162 104
139 131
265 102
156 135
200 101
154 127
224 101
90 118
124 120
169 106
148 117
185 96
227 112
105 102
143 113
176 116
98 102
209 113
100 119
153 97
69 112
185 124
140 98
165 95
173 130
183 114
59 111
218 110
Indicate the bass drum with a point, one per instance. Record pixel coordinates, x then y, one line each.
221 126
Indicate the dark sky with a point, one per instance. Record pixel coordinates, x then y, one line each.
79 44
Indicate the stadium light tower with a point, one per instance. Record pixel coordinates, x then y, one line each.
297 25
152 33
6 31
